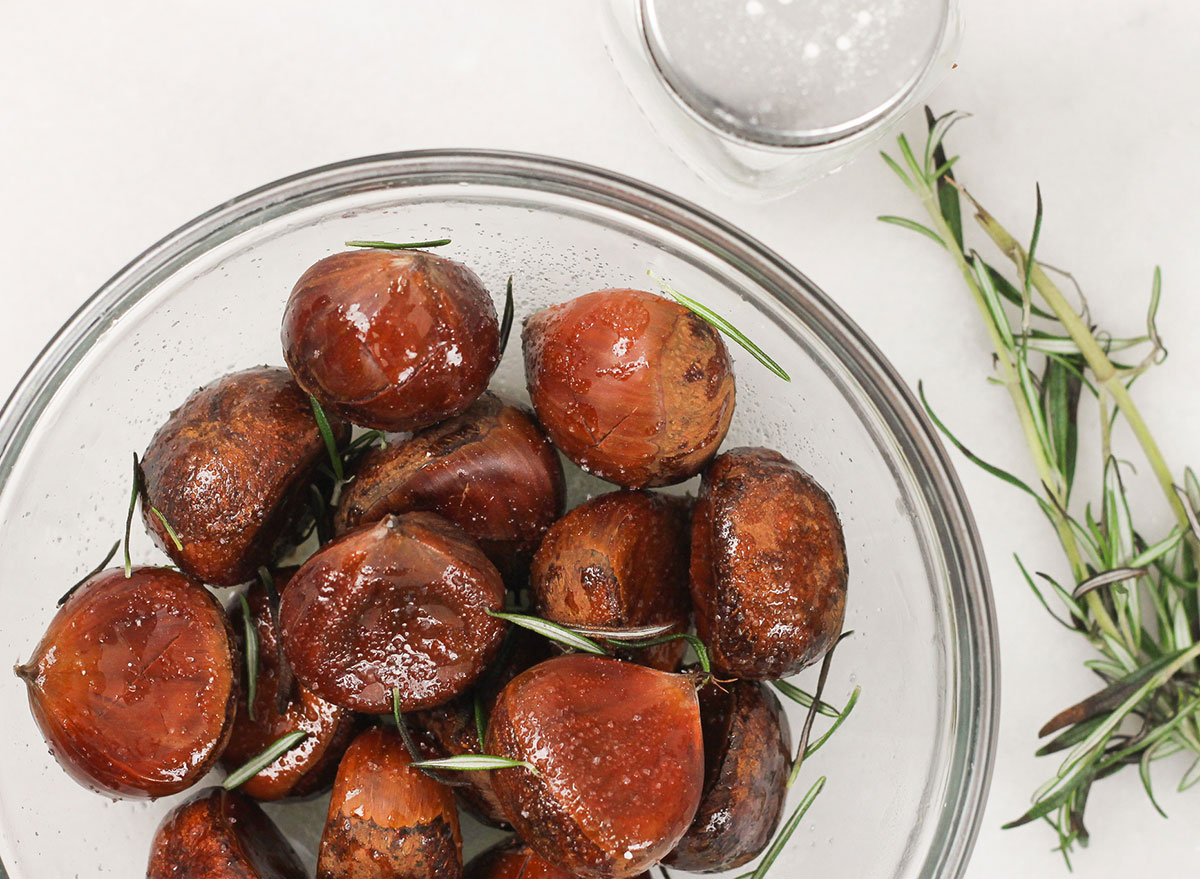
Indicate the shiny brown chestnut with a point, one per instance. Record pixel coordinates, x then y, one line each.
229 470
387 820
619 560
450 729
391 339
630 386
513 859
133 685
618 757
402 603
221 834
308 767
768 569
747 755
491 471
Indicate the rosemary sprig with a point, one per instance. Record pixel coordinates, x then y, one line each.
251 656
697 646
391 245
506 321
1133 596
273 752
803 699
802 749
139 486
112 551
785 832
714 319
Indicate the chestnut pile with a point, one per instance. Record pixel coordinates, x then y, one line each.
371 647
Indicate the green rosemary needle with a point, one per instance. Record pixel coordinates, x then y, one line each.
112 551
550 630
251 656
506 321
480 720
391 245
335 457
273 752
474 763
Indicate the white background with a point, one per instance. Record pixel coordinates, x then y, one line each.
120 121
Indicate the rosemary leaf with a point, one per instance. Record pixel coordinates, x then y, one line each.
133 497
804 699
112 551
615 633
850 703
391 245
474 763
273 752
550 630
251 656
170 531
785 833
506 321
912 225
480 721
335 458
697 646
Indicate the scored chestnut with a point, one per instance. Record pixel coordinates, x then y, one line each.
391 339
768 567
618 762
133 685
401 604
221 834
513 859
491 471
281 706
451 729
387 820
619 560
747 755
228 471
630 386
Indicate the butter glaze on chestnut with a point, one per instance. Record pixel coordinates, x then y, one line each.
620 559
768 568
747 756
619 755
630 386
513 859
229 470
390 339
387 820
221 834
133 685
491 471
310 766
400 603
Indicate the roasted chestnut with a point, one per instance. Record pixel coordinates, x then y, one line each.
221 834
391 339
513 859
228 470
768 568
281 706
133 685
387 820
402 603
630 386
450 729
747 755
491 471
619 560
618 756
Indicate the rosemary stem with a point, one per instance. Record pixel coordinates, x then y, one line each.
1103 369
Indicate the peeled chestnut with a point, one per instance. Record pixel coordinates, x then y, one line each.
281 706
491 471
387 820
228 471
133 685
391 339
619 560
402 603
747 756
619 759
630 386
221 834
513 859
768 568
450 729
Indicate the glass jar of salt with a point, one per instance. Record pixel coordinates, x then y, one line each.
760 96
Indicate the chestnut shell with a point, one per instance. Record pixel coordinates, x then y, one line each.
400 603
221 834
513 859
449 729
134 684
228 470
747 756
630 386
619 756
387 820
491 471
310 766
391 339
768 568
620 560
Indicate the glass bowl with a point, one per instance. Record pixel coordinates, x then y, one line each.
908 771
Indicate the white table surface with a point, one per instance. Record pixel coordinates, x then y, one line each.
120 121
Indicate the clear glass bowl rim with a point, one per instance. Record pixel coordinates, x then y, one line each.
976 707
